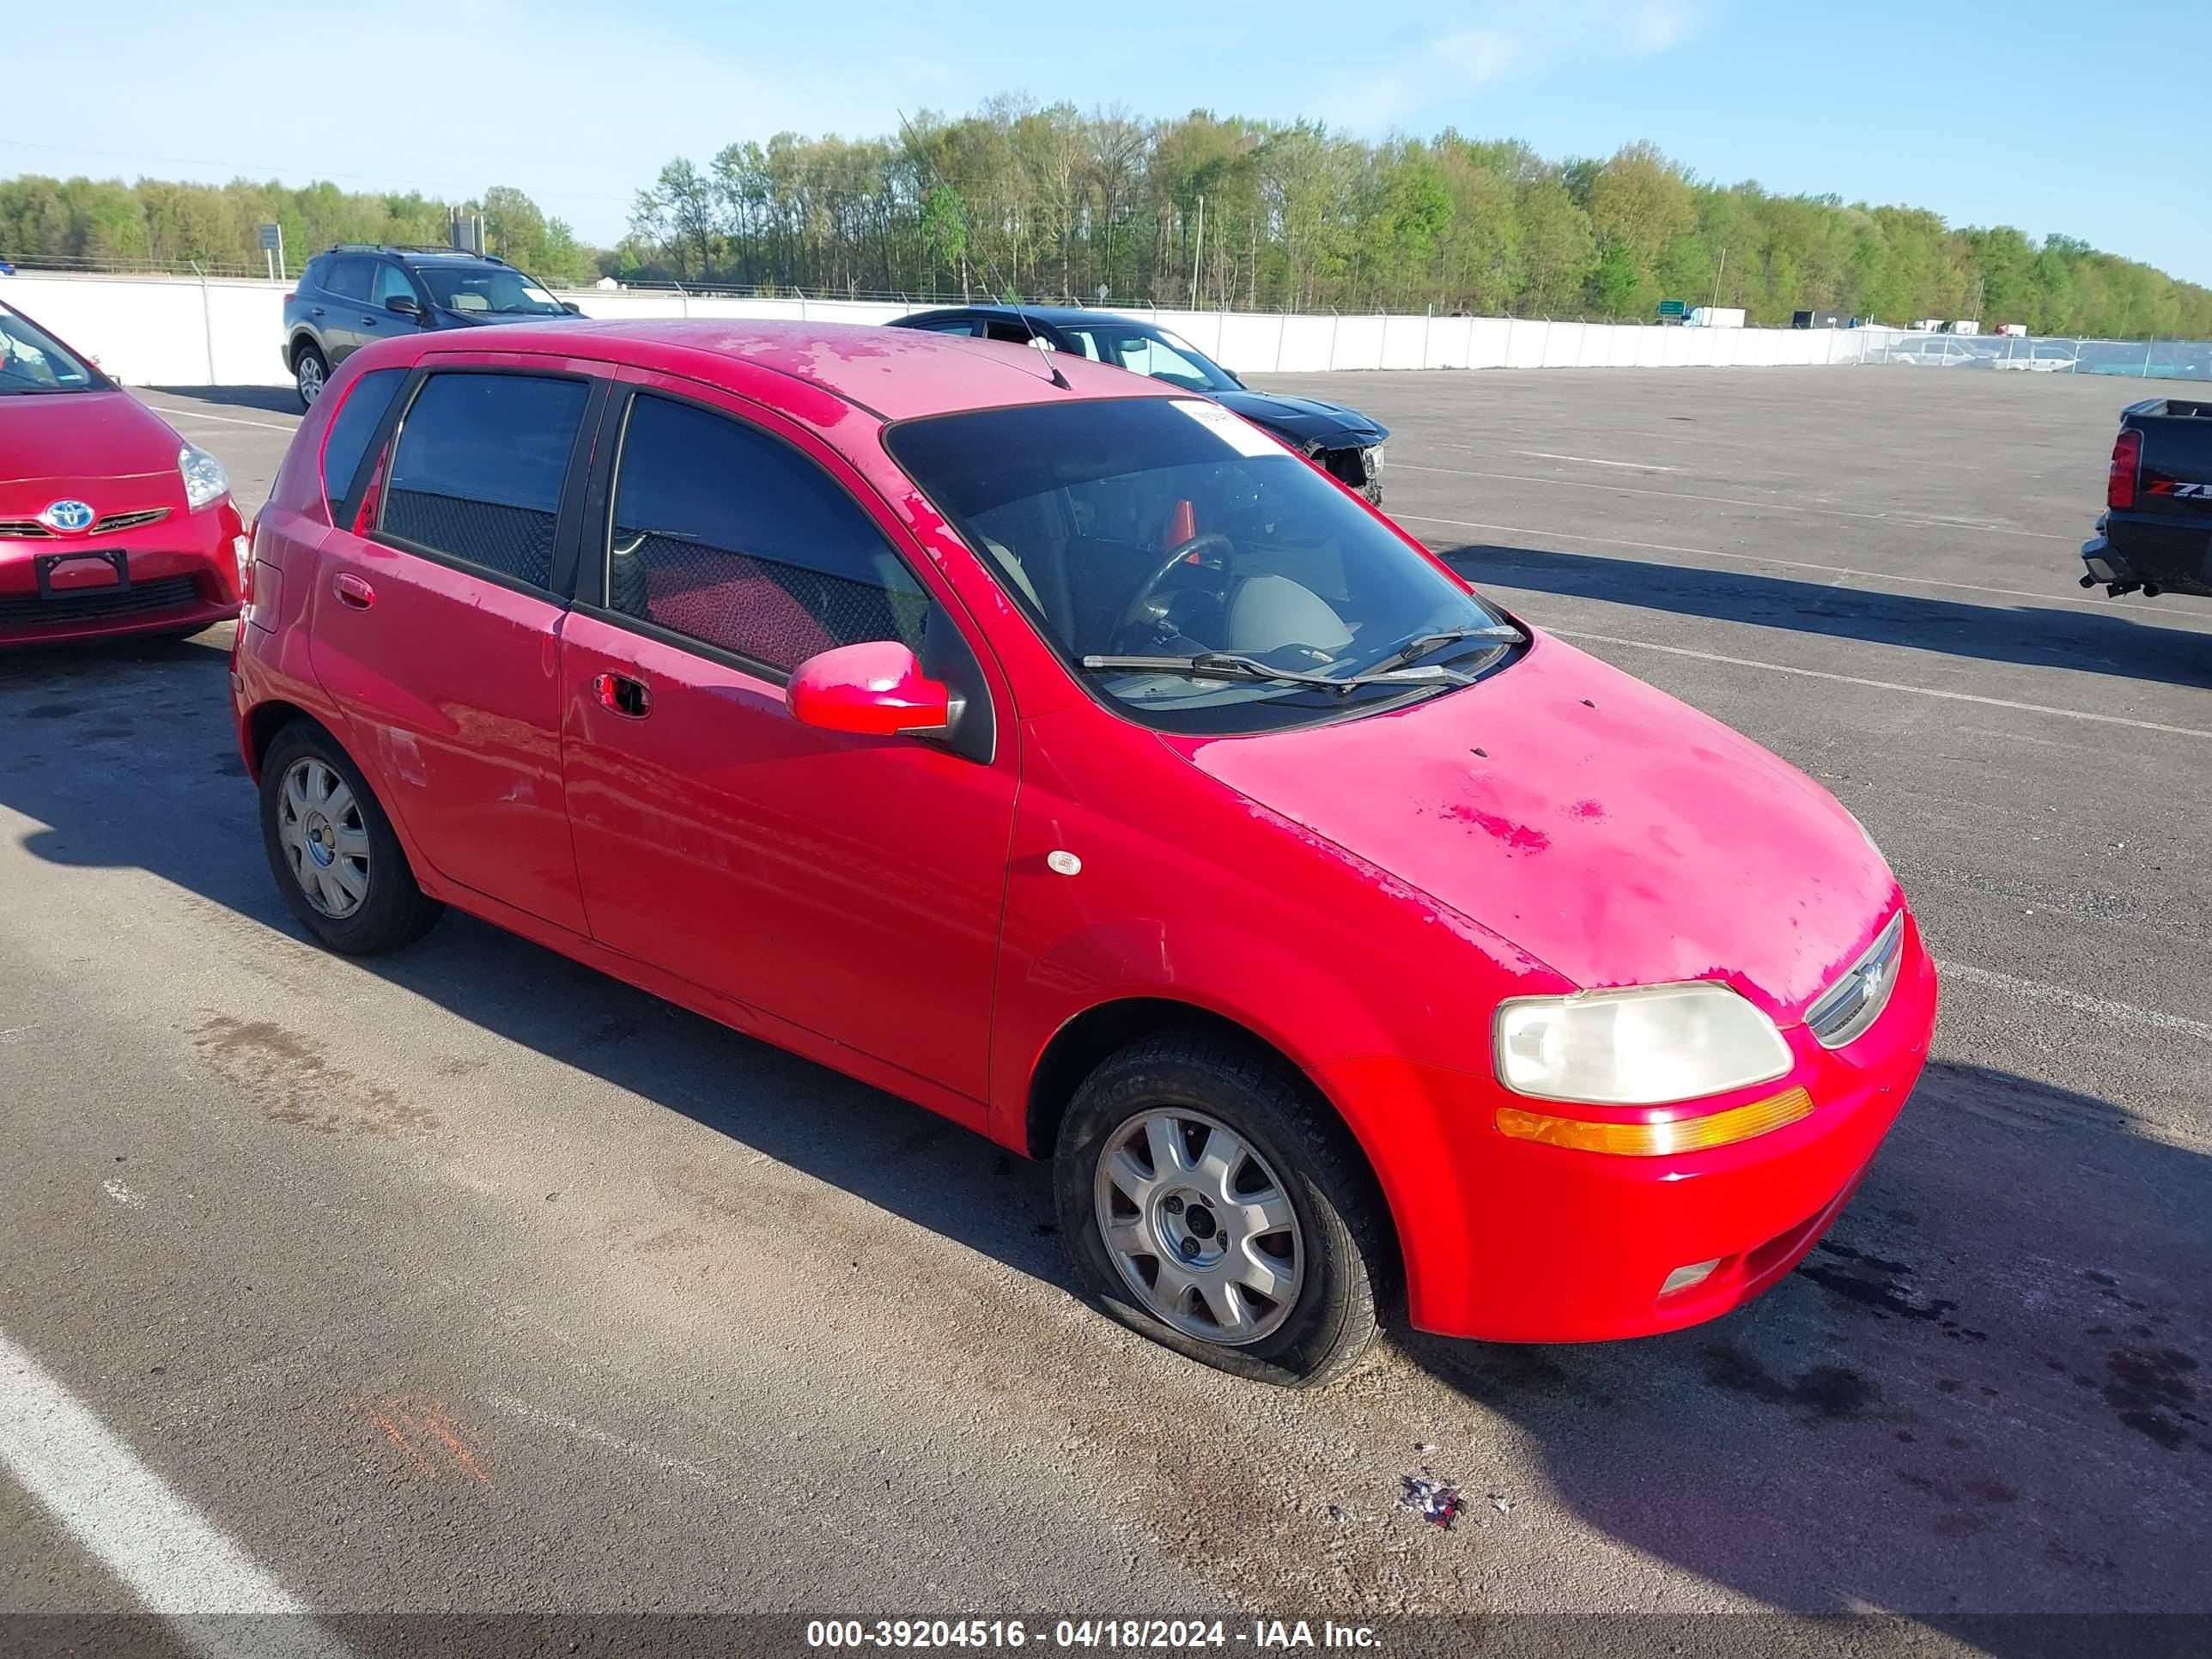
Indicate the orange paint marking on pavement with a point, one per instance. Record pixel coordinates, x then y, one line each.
442 1423
406 1421
401 1441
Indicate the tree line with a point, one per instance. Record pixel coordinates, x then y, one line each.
1048 202
88 224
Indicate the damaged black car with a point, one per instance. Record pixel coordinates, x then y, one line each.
1340 440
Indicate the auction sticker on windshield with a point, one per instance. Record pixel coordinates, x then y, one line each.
1239 433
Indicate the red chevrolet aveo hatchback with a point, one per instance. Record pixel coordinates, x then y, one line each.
1057 750
110 522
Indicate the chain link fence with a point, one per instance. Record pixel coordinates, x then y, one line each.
2041 354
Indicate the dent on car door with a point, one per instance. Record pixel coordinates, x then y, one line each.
849 886
435 632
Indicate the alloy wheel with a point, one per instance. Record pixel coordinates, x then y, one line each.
318 824
1200 1226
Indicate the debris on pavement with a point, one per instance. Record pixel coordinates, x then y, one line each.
1436 1501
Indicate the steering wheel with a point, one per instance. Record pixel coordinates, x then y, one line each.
1141 607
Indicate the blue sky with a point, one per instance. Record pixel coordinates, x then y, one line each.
2048 117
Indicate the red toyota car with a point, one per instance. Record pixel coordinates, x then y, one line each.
110 522
1057 750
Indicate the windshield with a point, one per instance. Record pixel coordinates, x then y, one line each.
1151 351
33 361
1169 528
488 289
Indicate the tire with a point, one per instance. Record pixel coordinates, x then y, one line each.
311 372
366 899
1297 1162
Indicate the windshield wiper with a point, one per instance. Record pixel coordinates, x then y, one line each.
1495 633
1229 665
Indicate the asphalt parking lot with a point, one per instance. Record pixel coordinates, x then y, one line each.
468 1279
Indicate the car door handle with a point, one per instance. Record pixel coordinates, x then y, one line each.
629 698
372 321
319 310
354 590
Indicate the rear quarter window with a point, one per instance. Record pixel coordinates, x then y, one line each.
479 467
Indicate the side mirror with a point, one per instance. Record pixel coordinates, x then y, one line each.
404 305
874 690
572 308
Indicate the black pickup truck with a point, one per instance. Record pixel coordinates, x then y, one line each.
2156 532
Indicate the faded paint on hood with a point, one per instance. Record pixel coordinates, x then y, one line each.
1617 836
71 438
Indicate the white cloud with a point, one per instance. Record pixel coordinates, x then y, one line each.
1501 42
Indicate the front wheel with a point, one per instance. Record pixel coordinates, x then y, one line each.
1212 1202
337 861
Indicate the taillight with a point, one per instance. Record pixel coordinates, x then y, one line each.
293 295
2127 456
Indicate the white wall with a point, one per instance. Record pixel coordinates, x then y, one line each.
160 330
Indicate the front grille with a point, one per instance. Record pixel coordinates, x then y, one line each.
99 603
1349 465
115 521
31 530
1845 1011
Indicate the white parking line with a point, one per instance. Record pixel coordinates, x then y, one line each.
1581 460
167 413
1904 521
1883 685
171 1557
2169 620
2097 1007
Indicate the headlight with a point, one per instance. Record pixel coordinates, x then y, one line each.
1642 1046
205 482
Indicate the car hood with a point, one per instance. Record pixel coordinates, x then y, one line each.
1304 418
487 319
68 438
1616 835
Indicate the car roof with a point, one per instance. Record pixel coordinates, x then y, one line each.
1074 316
896 373
404 251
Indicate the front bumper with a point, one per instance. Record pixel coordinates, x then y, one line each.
1357 467
1512 1240
183 573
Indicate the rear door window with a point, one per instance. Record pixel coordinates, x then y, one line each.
734 538
479 467
354 425
1018 334
348 279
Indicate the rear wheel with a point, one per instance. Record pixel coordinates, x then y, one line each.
1212 1202
337 861
311 370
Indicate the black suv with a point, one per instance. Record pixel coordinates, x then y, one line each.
355 293
1342 441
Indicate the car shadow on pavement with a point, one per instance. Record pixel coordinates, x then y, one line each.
276 399
2117 643
1983 1390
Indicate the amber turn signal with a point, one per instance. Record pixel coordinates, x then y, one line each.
1681 1134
